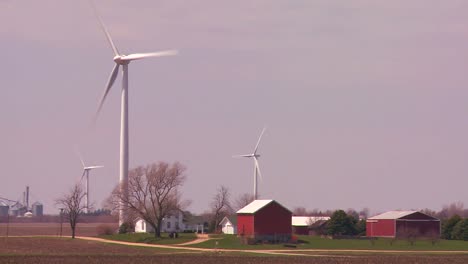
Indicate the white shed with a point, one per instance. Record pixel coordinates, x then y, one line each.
229 225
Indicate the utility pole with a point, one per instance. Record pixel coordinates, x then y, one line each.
8 222
61 221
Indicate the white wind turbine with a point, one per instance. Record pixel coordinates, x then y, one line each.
255 157
86 170
124 60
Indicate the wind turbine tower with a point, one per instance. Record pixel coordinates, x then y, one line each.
123 60
255 157
86 170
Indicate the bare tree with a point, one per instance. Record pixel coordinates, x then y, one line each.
243 200
220 206
111 203
456 208
73 206
153 192
364 213
300 211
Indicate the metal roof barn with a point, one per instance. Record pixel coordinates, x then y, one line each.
301 224
264 220
403 224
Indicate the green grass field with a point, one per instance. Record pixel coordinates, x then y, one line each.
314 242
150 239
306 242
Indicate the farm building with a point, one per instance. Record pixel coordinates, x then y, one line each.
264 220
301 224
402 224
229 225
171 223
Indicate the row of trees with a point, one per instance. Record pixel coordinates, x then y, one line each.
448 211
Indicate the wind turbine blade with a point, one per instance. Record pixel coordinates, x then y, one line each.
258 142
84 173
111 81
94 167
257 166
103 27
243 156
79 156
137 56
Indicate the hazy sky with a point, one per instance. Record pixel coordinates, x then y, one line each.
365 101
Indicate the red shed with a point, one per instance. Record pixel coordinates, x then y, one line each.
264 220
403 224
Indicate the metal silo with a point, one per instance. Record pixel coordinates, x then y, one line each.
14 210
37 209
4 208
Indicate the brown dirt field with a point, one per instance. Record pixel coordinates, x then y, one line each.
51 229
187 259
68 246
64 250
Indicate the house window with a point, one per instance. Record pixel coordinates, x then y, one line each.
143 225
177 225
168 224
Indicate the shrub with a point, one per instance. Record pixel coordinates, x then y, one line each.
105 230
125 228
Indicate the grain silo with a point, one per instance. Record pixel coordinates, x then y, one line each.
37 209
14 210
4 208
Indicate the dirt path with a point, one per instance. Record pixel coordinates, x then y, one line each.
195 241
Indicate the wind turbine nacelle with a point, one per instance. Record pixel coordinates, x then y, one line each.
119 59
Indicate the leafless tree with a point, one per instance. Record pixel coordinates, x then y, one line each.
300 211
220 206
364 213
111 203
73 205
243 200
456 208
153 192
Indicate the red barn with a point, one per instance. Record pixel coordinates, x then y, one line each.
399 224
264 220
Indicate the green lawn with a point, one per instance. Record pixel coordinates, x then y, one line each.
314 242
150 239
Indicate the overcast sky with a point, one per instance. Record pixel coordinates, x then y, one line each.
365 101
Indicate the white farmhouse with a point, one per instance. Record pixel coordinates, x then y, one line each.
174 222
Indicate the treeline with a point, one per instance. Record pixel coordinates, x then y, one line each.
448 211
455 228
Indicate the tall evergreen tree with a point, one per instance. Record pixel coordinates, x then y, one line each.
341 224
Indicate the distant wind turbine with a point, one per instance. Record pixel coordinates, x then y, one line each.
86 170
124 60
255 157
